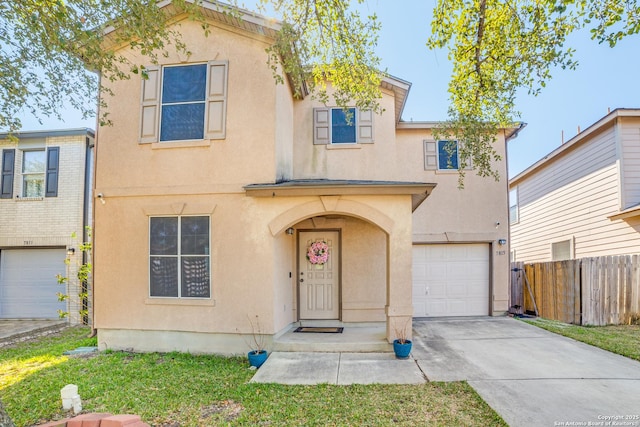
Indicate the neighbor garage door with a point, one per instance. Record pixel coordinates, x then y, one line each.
28 283
450 280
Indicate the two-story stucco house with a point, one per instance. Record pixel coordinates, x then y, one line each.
214 184
583 198
44 200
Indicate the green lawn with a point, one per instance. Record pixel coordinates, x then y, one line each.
178 389
620 339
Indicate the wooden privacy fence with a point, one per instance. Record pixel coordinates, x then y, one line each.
587 291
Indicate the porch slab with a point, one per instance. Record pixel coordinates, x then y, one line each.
378 368
299 368
309 368
359 338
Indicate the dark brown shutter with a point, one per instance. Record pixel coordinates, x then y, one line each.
8 160
51 185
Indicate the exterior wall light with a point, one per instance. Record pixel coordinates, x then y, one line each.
71 251
502 242
289 231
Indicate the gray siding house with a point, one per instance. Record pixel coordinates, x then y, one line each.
583 198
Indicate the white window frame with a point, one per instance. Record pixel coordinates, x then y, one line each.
515 205
570 241
179 257
24 175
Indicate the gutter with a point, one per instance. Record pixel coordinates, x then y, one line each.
514 133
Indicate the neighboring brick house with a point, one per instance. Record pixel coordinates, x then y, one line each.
582 199
44 200
215 182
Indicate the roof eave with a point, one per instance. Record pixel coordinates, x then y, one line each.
418 191
30 134
576 141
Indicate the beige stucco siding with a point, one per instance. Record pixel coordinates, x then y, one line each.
249 266
571 199
221 165
254 261
629 136
284 135
376 161
476 213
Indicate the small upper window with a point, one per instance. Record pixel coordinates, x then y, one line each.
561 251
448 155
33 169
339 126
513 206
343 126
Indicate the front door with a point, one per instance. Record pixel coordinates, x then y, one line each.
319 279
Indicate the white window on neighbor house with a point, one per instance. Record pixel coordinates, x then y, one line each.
179 257
514 214
337 126
184 102
33 173
40 172
561 250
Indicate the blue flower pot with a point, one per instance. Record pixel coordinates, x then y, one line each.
257 358
402 350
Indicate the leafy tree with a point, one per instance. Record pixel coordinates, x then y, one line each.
497 47
49 48
327 41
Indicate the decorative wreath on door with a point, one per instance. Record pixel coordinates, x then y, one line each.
318 253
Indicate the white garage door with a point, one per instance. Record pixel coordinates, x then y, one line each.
450 280
28 284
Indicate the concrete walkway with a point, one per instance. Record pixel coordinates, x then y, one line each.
529 376
338 368
13 331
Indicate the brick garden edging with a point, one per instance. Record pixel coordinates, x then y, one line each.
98 420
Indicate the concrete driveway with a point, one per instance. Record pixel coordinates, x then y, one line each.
531 377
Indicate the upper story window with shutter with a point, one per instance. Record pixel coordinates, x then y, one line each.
337 126
448 155
442 156
33 168
37 177
184 102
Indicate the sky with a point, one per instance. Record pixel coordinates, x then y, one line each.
606 78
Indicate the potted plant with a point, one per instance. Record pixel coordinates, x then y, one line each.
257 355
402 344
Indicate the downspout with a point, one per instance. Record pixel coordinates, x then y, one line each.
94 331
86 208
507 138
